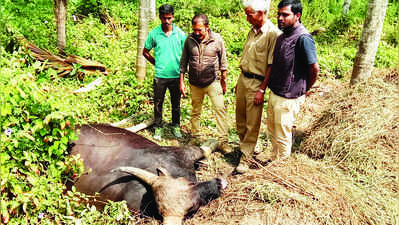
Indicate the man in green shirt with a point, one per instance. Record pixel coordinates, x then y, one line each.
167 40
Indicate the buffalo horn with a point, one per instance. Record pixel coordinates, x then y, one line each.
209 146
144 175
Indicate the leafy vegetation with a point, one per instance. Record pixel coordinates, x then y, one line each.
39 111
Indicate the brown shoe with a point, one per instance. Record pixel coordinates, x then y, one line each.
225 148
253 164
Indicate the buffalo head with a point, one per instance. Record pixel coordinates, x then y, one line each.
177 197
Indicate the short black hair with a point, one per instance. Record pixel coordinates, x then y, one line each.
202 17
166 9
296 5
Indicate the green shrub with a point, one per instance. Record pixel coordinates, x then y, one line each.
391 24
33 147
34 20
232 32
87 7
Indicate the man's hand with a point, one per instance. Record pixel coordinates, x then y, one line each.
182 85
223 80
183 89
223 84
148 56
313 73
259 97
260 93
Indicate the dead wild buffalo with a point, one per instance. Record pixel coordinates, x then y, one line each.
159 181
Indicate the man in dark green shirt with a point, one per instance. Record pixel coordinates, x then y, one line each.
167 40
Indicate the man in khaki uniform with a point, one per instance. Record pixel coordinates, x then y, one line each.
255 65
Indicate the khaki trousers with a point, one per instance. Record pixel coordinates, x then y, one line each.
281 116
215 93
248 115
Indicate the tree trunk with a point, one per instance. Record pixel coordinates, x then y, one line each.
372 28
147 14
60 12
347 4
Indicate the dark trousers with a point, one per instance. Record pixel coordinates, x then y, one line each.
160 86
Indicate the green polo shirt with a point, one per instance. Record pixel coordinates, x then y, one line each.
167 51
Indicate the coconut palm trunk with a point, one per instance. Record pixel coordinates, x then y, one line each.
372 29
60 12
147 14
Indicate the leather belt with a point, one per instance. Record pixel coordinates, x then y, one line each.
253 76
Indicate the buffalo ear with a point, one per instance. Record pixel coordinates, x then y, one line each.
162 172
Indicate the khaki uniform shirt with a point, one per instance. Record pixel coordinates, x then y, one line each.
258 49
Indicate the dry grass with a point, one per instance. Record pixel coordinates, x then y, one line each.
344 170
359 132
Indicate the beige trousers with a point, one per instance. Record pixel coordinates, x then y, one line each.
248 115
215 93
281 116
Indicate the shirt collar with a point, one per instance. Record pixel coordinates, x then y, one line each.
174 29
205 41
262 29
289 31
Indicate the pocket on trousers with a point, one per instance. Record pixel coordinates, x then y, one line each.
216 88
